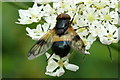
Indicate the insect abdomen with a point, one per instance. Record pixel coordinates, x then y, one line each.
61 48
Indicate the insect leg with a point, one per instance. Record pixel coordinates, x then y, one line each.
73 18
77 9
82 27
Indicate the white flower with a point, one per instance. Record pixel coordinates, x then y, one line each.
90 14
51 20
37 33
64 6
110 34
99 15
93 13
48 10
108 15
81 21
56 65
35 12
96 29
31 15
25 17
114 4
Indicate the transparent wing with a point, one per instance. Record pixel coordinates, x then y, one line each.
76 42
42 45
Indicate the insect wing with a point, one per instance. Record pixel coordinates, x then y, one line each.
76 41
42 45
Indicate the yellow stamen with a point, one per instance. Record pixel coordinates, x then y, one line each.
107 17
60 63
90 17
109 36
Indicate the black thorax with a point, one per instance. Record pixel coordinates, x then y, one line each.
61 26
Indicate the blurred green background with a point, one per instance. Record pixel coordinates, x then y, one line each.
0 40
16 45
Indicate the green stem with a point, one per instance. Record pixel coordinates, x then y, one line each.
115 46
110 53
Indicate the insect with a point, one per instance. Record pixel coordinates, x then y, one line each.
60 39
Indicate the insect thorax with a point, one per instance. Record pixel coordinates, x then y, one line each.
61 26
63 22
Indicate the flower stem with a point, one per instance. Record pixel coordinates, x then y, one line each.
110 54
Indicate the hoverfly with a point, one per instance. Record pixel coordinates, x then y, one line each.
60 39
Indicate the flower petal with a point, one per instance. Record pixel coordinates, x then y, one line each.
52 65
87 52
56 57
71 67
60 72
51 74
104 40
47 55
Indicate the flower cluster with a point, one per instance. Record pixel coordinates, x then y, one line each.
94 19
